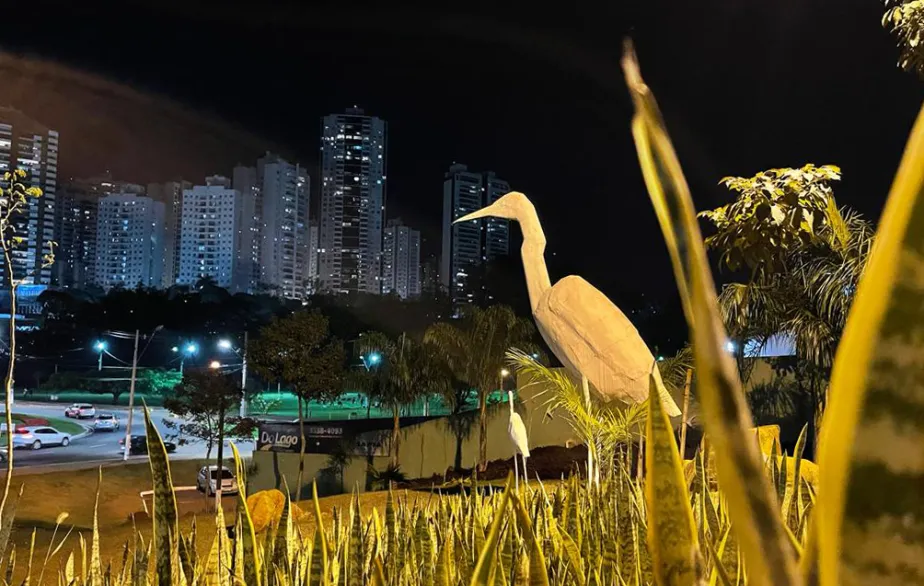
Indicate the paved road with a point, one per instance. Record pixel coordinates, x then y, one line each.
104 445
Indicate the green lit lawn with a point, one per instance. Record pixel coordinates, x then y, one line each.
61 424
284 404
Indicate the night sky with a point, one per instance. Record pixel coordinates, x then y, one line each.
155 90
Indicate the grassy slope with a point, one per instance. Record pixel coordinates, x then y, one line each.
46 496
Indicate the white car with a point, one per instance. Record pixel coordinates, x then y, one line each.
80 411
38 437
208 477
106 422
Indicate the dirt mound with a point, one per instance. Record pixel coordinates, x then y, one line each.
549 463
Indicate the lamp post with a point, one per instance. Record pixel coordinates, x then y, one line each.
131 389
227 345
370 361
189 349
504 373
100 347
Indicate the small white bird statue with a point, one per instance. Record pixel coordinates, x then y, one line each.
583 328
517 432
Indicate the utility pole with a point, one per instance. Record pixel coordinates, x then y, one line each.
244 378
131 399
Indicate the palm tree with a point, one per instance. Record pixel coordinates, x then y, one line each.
807 301
603 428
475 347
405 371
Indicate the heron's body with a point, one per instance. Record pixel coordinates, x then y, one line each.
583 328
517 432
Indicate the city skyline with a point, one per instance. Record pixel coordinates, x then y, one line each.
248 232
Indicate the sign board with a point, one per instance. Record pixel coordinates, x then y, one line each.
325 438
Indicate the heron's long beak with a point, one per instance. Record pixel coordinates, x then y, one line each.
482 213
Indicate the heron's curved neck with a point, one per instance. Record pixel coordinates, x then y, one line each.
533 254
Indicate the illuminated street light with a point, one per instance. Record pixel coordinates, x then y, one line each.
214 365
188 350
225 345
100 347
504 372
374 358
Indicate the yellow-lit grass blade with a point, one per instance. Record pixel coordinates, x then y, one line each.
166 531
487 559
320 532
671 530
754 510
538 573
870 505
96 564
253 573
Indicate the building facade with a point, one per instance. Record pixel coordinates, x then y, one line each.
313 240
467 246
129 241
284 232
401 260
209 235
31 147
170 193
353 180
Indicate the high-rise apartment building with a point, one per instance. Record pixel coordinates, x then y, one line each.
76 226
284 237
244 180
496 230
353 175
170 193
209 235
468 245
29 146
401 260
313 239
129 241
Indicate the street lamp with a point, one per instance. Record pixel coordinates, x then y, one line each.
214 365
226 345
503 374
188 350
100 347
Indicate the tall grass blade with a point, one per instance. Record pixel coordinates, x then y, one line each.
671 531
740 466
253 573
487 558
870 510
166 531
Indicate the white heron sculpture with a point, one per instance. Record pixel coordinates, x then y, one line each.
584 329
517 432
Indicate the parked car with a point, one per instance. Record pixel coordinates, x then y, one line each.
208 478
106 422
140 445
37 438
80 411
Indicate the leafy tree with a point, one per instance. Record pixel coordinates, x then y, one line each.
300 351
802 291
905 19
15 201
205 400
475 347
774 213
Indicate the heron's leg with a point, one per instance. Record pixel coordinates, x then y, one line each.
590 443
525 475
516 472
